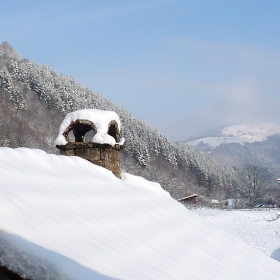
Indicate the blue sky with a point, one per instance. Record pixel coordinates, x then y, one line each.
182 66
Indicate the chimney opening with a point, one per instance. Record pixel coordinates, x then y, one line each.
114 131
79 129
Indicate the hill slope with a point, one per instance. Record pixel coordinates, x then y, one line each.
34 100
65 218
239 144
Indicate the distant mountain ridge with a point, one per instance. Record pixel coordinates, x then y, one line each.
239 133
239 144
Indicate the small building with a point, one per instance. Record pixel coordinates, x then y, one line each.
191 199
93 135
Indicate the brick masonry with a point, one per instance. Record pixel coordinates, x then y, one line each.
100 154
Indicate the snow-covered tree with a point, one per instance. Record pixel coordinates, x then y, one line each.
254 179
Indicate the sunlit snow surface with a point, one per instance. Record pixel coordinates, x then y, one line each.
240 133
255 227
65 218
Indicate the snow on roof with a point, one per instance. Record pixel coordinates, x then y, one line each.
101 120
65 218
188 197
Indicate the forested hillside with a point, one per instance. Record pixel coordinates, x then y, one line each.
34 100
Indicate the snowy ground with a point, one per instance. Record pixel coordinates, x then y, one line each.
249 225
65 218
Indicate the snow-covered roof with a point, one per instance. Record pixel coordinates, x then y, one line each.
65 218
188 197
99 120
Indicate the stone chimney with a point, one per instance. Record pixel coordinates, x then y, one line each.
93 135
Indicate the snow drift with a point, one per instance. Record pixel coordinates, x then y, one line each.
65 218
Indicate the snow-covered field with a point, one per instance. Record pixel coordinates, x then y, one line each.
251 226
65 218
